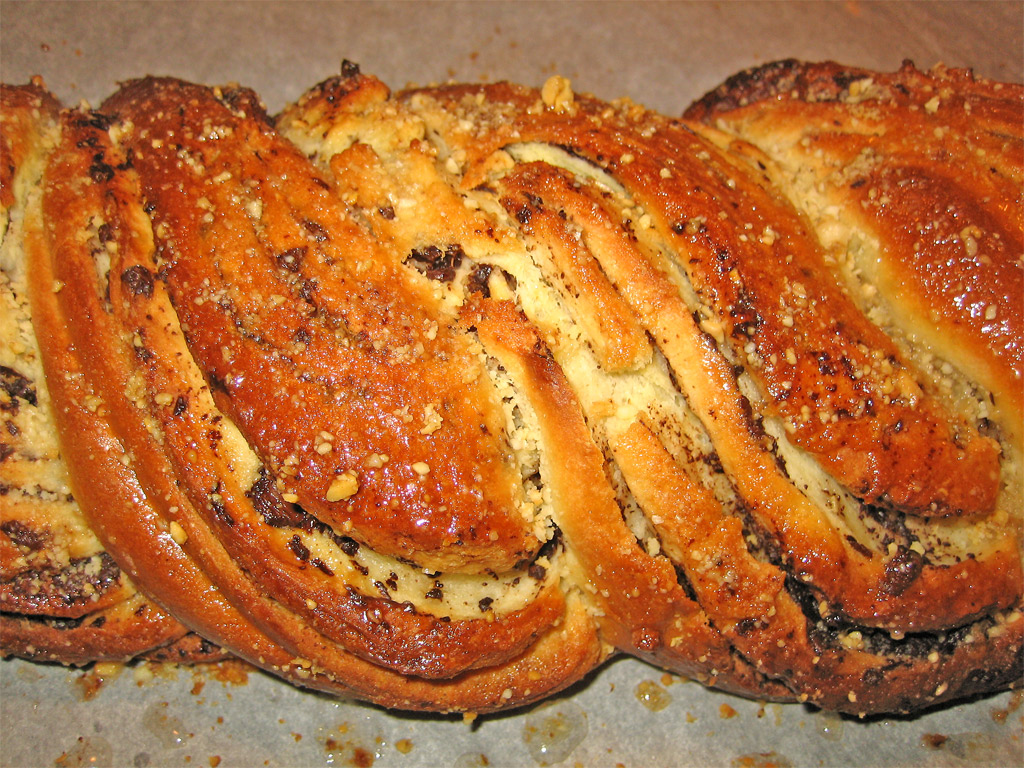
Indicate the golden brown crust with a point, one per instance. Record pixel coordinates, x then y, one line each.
206 532
26 111
440 398
941 191
644 610
129 628
753 269
309 255
829 551
710 353
62 597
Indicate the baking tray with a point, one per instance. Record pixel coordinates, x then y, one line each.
662 54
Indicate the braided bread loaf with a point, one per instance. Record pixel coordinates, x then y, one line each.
440 398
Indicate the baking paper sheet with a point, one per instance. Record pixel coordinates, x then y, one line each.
662 54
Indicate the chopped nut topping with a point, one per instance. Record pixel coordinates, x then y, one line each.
177 533
557 93
342 487
376 460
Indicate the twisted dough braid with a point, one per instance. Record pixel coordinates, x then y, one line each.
440 398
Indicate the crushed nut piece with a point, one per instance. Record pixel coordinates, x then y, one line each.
342 487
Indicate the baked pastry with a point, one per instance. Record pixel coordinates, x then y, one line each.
62 596
441 398
913 181
213 530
